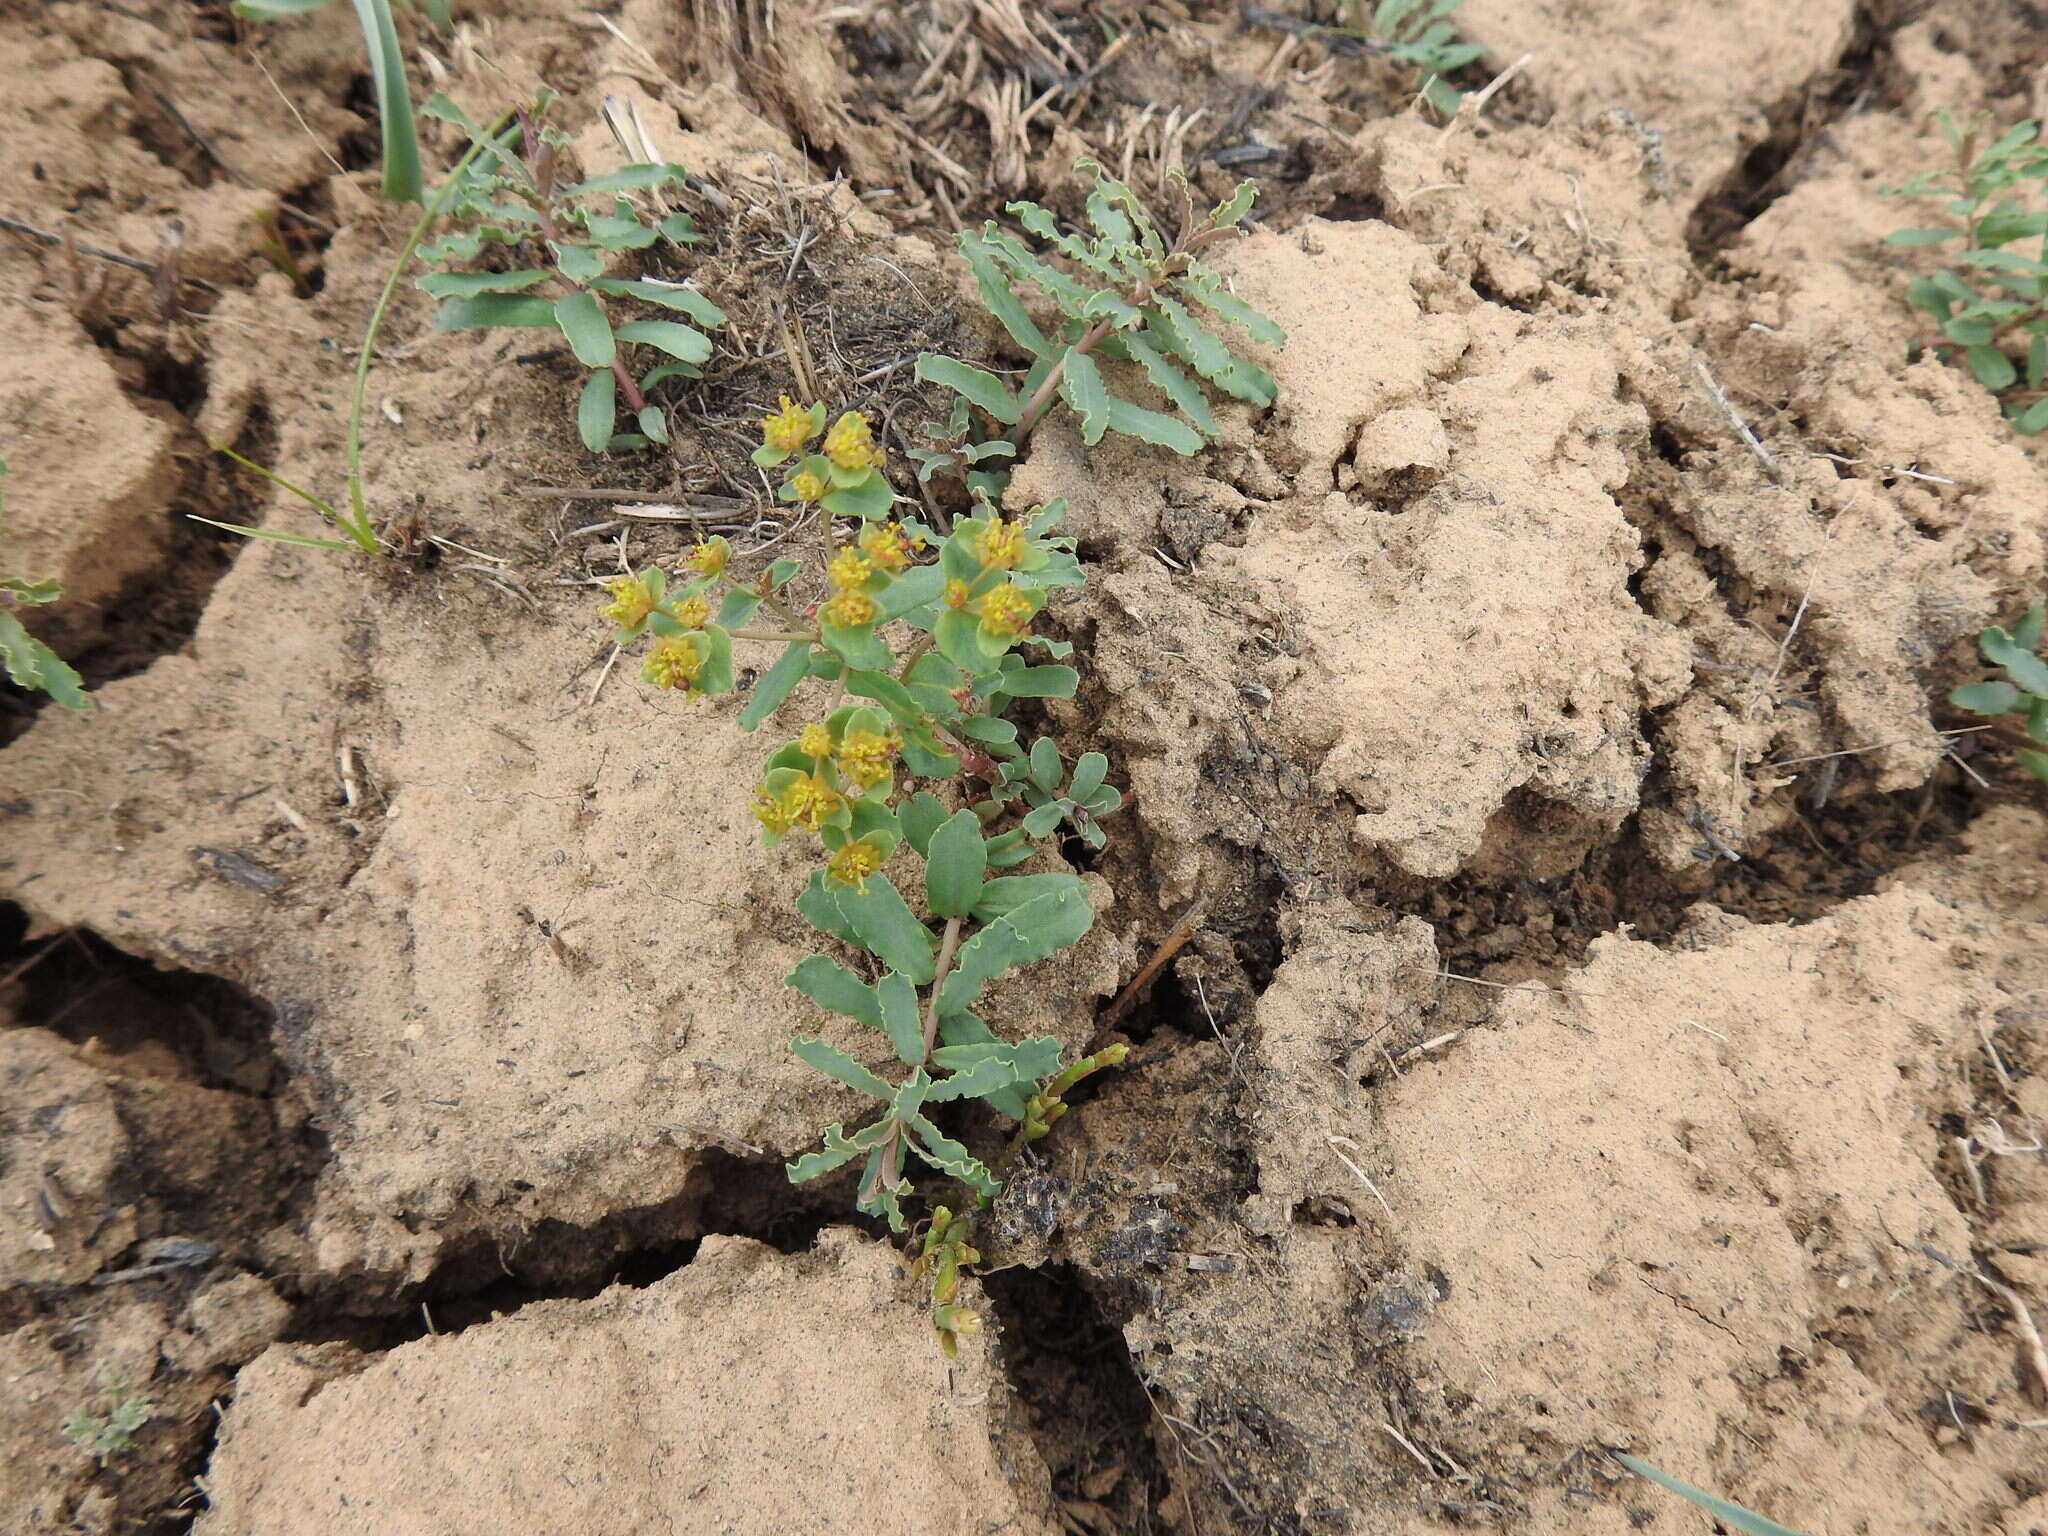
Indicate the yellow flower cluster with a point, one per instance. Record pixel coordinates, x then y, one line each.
849 571
1005 611
710 557
692 612
807 802
851 445
674 663
853 864
631 601
866 757
808 487
814 741
887 545
788 429
1000 545
850 606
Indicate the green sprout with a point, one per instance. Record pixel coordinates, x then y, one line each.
570 235
1991 308
403 182
1415 33
2023 691
29 662
111 1433
1732 1515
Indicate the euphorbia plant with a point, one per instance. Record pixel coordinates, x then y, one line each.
917 790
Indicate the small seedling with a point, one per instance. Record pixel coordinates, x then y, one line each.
29 662
112 1432
566 238
2023 691
1120 292
1414 32
1991 309
402 177
1732 1515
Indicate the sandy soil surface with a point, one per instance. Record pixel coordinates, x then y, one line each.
1611 1020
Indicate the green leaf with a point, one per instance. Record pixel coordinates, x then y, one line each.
597 410
954 866
641 176
821 910
859 647
921 816
832 986
979 1070
578 263
1921 236
1089 773
2035 763
2026 634
2037 720
462 314
887 692
1044 818
402 179
835 1063
1991 367
917 586
1041 927
677 296
1152 427
583 321
997 295
988 729
1047 770
1040 682
979 387
2033 419
2020 663
900 1020
1082 388
271 10
1183 391
948 1156
678 227
776 684
884 923
1748 1521
925 758
1206 288
662 371
32 664
1985 698
870 500
671 336
462 285
655 424
1004 895
840 1149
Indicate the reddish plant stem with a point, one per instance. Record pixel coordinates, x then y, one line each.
1042 397
949 946
543 170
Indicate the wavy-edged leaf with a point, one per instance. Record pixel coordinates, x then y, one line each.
1005 895
32 664
1023 263
980 1070
2026 634
1082 388
833 987
578 263
1001 300
1170 381
1042 926
1207 289
948 1156
883 922
684 343
676 296
583 322
835 1063
1152 427
900 1021
776 684
641 176
2019 662
840 1149
1985 698
975 385
822 912
597 409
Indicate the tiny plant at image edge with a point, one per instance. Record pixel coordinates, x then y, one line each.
917 776
1415 33
103 1436
29 662
2023 691
1990 309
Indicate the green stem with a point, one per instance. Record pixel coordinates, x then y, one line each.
918 649
1042 397
771 634
360 529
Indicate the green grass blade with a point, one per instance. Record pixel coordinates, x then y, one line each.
1748 1521
402 178
276 536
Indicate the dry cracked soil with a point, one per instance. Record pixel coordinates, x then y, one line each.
1606 1017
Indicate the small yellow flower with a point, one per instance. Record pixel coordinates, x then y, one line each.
884 544
866 757
773 812
674 663
815 741
850 610
692 612
631 601
1000 545
851 443
808 487
849 571
1005 612
853 864
788 429
820 802
710 557
956 593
